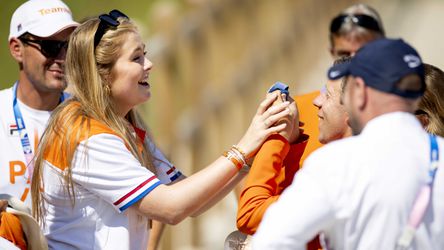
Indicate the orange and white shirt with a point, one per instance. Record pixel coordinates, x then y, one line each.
108 179
13 166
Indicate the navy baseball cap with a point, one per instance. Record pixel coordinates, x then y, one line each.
381 64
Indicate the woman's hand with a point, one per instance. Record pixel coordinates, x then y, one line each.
264 124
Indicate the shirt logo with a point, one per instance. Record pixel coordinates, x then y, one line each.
334 74
13 130
412 61
54 10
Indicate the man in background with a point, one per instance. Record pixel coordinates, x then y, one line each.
38 40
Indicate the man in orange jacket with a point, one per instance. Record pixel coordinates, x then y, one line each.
282 154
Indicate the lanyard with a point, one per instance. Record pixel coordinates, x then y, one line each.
24 138
422 200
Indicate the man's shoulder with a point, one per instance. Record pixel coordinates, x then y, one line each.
335 149
5 94
332 160
5 103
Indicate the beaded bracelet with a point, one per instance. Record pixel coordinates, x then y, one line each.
230 155
242 153
237 157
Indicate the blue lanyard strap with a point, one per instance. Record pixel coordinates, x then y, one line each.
24 138
434 158
422 199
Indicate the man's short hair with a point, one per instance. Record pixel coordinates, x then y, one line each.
341 60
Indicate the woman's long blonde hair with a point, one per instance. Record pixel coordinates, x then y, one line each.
88 70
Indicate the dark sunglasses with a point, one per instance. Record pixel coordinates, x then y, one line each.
420 112
107 21
49 48
361 20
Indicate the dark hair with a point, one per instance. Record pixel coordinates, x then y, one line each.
341 60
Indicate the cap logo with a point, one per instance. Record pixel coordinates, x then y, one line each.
53 10
412 60
334 74
19 27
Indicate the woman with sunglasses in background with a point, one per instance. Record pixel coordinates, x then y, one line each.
102 178
354 27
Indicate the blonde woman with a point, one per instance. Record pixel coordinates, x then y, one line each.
101 179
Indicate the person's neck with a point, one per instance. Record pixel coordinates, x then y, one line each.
33 98
122 112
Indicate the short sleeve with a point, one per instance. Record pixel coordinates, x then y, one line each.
104 166
166 171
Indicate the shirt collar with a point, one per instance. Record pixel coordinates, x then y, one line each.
392 122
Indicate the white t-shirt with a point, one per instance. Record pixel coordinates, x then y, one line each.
13 166
359 192
106 183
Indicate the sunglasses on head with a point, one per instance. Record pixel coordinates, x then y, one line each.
49 48
420 112
361 20
107 21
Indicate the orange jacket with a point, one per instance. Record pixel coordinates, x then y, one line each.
272 171
274 168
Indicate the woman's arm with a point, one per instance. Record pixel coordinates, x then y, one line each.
173 203
221 193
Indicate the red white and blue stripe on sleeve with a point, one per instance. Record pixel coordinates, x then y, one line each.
137 193
173 173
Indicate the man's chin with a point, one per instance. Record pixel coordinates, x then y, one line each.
57 85
322 139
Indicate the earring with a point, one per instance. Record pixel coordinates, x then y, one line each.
107 89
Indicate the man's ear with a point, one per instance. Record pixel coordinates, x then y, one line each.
332 51
361 95
423 119
16 49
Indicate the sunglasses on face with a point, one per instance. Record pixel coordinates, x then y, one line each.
107 21
361 20
49 48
